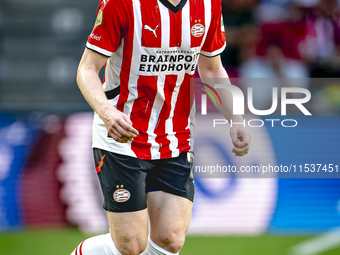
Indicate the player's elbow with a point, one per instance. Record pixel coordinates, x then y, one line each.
79 75
209 67
211 72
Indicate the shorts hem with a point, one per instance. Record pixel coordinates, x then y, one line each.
184 195
123 211
120 152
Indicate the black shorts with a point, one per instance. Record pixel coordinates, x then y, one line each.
125 180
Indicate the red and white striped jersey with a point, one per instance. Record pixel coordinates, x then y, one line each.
153 49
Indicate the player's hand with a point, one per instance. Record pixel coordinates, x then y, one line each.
241 140
119 126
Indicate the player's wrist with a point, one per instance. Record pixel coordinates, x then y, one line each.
106 111
237 120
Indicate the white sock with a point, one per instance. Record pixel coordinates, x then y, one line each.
97 245
154 249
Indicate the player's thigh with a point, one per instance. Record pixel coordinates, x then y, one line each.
171 190
129 228
122 179
169 217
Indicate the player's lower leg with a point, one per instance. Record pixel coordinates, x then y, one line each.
98 245
169 221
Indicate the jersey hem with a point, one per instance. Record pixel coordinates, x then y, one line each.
114 151
132 154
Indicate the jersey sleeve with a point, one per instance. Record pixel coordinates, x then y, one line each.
215 41
107 32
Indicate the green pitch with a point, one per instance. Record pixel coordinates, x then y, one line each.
62 242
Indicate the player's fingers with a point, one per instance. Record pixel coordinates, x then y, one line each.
243 140
240 154
117 129
128 131
117 136
122 140
234 137
127 126
241 150
242 144
239 142
130 128
127 120
113 136
123 133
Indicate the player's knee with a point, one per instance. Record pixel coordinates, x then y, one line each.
131 245
172 242
131 250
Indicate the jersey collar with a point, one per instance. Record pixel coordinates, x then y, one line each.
172 8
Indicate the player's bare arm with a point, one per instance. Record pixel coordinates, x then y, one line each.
210 69
118 124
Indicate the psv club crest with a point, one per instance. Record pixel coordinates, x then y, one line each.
197 30
121 195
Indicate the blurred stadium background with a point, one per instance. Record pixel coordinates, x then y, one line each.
49 195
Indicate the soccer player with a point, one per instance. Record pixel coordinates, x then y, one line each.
143 116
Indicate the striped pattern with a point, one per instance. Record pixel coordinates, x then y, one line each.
153 55
78 250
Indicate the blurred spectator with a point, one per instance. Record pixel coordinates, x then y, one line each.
320 38
285 33
240 32
282 39
2 8
273 65
272 11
